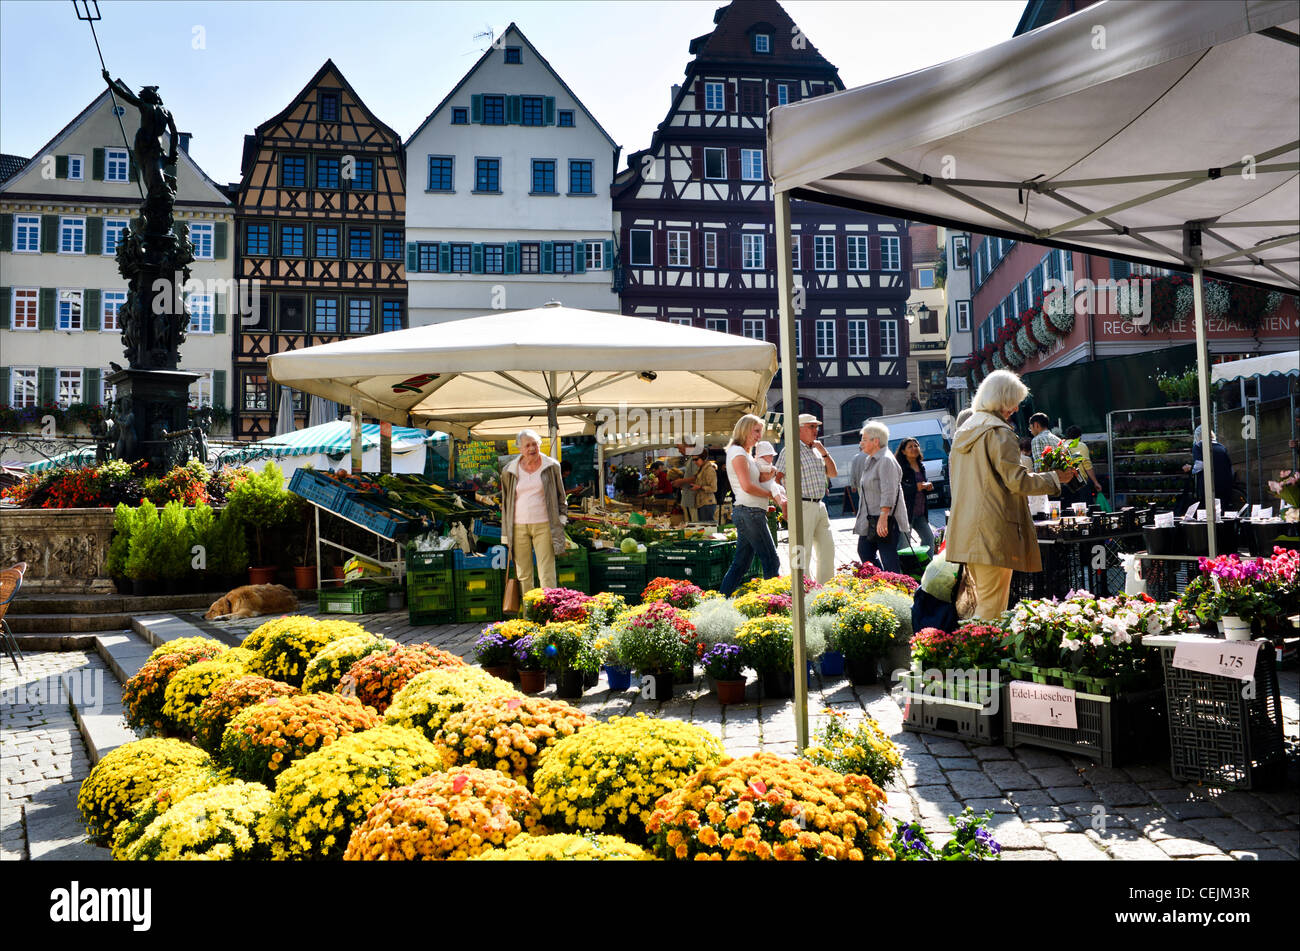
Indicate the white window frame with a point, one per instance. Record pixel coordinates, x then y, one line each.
76 226
717 324
749 171
721 90
963 316
58 310
631 247
117 160
859 252
16 376
201 311
69 374
751 324
762 43
715 178
889 338
199 387
891 255
108 315
681 321
798 339
679 249
796 252
921 274
859 339
782 94
28 293
710 249
203 250
81 168
109 228
107 391
748 242
820 330
595 255
30 227
821 243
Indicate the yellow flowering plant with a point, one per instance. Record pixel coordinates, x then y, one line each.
214 824
376 678
767 643
768 807
189 781
604 609
145 694
429 698
322 797
508 734
452 815
830 600
566 847
227 699
190 686
129 775
195 648
863 629
293 641
865 751
607 777
328 667
262 740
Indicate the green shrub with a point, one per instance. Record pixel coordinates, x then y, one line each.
173 542
261 504
143 549
115 560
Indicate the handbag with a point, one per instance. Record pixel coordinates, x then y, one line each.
512 599
964 599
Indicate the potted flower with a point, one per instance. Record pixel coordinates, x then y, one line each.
568 651
863 632
1240 592
142 552
767 645
115 559
723 663
532 678
654 639
605 644
495 653
260 503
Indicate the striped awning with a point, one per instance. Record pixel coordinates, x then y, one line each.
331 439
73 457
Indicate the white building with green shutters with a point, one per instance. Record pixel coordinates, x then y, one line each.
507 203
60 290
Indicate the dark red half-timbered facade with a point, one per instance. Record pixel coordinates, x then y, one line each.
320 215
695 220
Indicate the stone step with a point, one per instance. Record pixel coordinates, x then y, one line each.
107 603
22 624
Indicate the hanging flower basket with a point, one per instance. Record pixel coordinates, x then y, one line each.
1012 355
1059 309
997 361
1026 343
1044 333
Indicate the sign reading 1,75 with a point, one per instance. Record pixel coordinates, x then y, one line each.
1235 659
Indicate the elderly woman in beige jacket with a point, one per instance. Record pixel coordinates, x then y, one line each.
533 511
990 530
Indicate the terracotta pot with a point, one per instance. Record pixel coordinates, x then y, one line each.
264 575
501 673
304 577
532 681
730 691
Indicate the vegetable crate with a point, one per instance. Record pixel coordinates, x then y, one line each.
630 590
1129 728
427 561
479 582
571 571
352 600
483 530
619 579
958 718
319 489
494 559
613 556
376 519
478 608
1217 735
431 597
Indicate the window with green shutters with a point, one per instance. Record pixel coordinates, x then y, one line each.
512 257
218 313
49 234
91 386
45 386
548 257
219 388
219 231
94 235
97 165
45 318
60 166
412 257
90 311
476 259
6 232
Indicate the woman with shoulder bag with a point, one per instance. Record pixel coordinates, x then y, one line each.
533 511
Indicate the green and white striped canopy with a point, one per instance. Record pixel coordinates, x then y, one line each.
331 439
73 457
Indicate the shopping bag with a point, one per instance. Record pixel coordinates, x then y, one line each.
1103 503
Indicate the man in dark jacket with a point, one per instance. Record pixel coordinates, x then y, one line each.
1223 487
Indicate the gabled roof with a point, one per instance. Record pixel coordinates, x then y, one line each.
11 165
483 59
50 146
302 94
730 41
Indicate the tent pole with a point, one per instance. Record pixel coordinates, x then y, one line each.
553 423
1203 375
356 439
600 471
793 473
1245 408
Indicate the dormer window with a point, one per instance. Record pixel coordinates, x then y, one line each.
762 43
514 55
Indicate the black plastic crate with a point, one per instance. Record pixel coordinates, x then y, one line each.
1112 730
1217 735
955 719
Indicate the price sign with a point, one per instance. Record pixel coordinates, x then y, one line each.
1164 520
1258 511
1234 659
1043 705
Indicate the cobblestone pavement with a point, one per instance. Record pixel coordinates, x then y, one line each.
42 756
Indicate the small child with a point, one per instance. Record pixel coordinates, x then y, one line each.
765 453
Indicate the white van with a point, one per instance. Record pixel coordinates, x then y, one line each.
933 429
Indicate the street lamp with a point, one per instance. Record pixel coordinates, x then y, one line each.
917 310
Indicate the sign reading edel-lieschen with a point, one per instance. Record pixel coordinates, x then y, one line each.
1043 705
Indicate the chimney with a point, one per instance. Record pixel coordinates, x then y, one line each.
676 89
183 142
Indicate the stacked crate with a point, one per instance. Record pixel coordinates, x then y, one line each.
479 582
572 571
430 591
703 562
618 572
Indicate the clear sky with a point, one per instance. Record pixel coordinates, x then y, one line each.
225 67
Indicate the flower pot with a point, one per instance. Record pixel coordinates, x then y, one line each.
334 574
304 577
1263 534
620 678
264 575
532 681
778 682
862 670
1236 628
832 663
501 672
568 684
657 684
590 678
730 691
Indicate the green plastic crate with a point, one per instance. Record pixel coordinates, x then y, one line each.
612 556
428 560
485 609
352 600
479 582
418 619
630 592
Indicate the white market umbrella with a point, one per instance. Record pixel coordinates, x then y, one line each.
322 411
284 423
1166 133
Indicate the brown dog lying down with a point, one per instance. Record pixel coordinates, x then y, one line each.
252 600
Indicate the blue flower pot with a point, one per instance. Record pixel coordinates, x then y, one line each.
832 664
620 678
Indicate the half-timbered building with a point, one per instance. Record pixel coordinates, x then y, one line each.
695 219
321 245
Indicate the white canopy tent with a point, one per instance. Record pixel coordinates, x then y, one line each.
1165 133
1270 364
